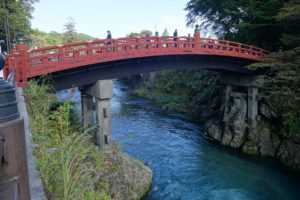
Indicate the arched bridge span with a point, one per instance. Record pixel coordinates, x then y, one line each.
85 62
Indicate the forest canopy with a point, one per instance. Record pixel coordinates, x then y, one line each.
270 24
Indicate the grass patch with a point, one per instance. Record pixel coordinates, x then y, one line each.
67 160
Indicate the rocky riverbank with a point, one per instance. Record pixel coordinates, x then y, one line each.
198 94
263 140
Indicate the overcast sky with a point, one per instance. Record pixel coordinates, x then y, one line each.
95 17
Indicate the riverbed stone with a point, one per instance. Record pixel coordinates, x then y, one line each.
234 119
131 179
250 148
235 113
289 153
227 136
265 144
238 134
262 138
214 131
267 110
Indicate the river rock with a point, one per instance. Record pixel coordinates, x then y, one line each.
235 113
261 138
214 132
267 110
233 136
234 119
265 144
132 179
227 136
238 134
250 147
289 153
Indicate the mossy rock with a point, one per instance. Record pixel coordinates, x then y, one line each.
250 148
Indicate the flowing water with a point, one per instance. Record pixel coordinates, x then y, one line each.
186 166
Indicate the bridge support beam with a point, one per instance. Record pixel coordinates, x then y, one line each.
102 90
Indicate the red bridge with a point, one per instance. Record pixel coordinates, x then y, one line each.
84 55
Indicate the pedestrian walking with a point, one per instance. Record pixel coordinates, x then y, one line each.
108 37
175 37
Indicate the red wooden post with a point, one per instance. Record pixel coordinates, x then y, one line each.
61 55
23 53
90 51
197 40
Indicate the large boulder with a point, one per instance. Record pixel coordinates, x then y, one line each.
265 144
259 140
235 113
234 119
267 110
214 132
289 153
238 138
250 148
131 179
233 136
227 136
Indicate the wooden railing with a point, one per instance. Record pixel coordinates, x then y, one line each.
28 64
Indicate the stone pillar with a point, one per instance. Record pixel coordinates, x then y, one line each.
225 99
104 129
87 110
252 106
102 90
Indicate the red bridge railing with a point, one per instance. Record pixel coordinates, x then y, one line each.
28 64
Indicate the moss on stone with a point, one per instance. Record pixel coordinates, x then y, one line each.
250 147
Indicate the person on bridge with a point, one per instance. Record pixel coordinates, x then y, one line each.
108 37
109 42
175 37
156 35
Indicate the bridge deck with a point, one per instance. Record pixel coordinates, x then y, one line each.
37 62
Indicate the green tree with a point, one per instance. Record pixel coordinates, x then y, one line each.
70 34
141 34
15 16
289 17
249 21
43 39
165 33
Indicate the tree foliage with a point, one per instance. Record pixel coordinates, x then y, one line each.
270 24
43 39
140 34
70 34
289 17
165 33
255 22
282 88
15 16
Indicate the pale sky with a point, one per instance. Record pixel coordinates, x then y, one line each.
95 17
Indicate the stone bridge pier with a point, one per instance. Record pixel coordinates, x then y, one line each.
95 102
241 87
239 110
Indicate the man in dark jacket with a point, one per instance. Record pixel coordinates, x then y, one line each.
175 37
108 37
